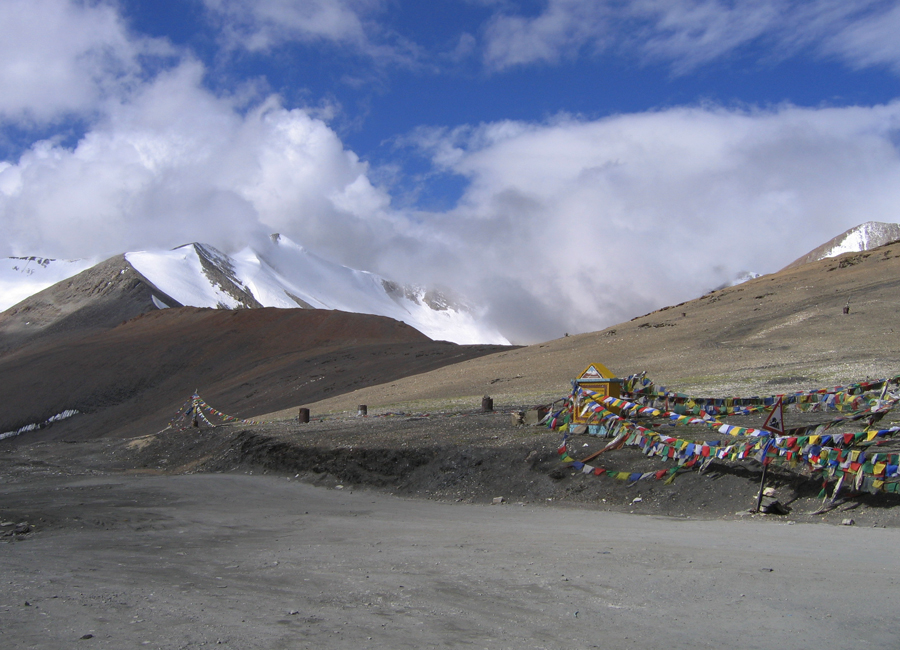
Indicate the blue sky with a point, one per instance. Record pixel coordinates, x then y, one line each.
566 164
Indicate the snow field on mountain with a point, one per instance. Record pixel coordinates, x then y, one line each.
179 274
21 277
273 271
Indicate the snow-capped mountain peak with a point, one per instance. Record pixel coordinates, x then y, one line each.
863 237
278 272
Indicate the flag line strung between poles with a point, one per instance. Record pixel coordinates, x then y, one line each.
195 405
602 404
869 471
639 387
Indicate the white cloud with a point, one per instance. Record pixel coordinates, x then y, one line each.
561 30
175 163
871 40
689 33
59 57
260 25
591 223
265 24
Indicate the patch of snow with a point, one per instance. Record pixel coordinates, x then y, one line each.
21 277
743 277
854 242
40 425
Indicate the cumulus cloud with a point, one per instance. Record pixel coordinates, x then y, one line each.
689 33
59 57
175 163
592 222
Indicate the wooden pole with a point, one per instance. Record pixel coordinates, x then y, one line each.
762 482
195 420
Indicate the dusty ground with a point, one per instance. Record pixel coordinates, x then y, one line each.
243 561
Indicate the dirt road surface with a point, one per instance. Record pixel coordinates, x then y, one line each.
249 561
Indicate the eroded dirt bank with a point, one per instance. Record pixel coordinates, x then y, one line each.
468 457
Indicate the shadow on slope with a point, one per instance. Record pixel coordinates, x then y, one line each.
131 379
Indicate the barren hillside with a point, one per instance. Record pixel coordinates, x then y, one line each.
780 332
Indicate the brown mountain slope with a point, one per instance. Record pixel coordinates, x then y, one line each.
96 299
131 379
780 332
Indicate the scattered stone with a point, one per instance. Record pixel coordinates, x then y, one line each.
498 500
772 506
338 487
87 636
533 417
531 456
637 500
847 522
517 418
769 492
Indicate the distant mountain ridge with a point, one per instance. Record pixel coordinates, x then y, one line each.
281 273
272 272
863 237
